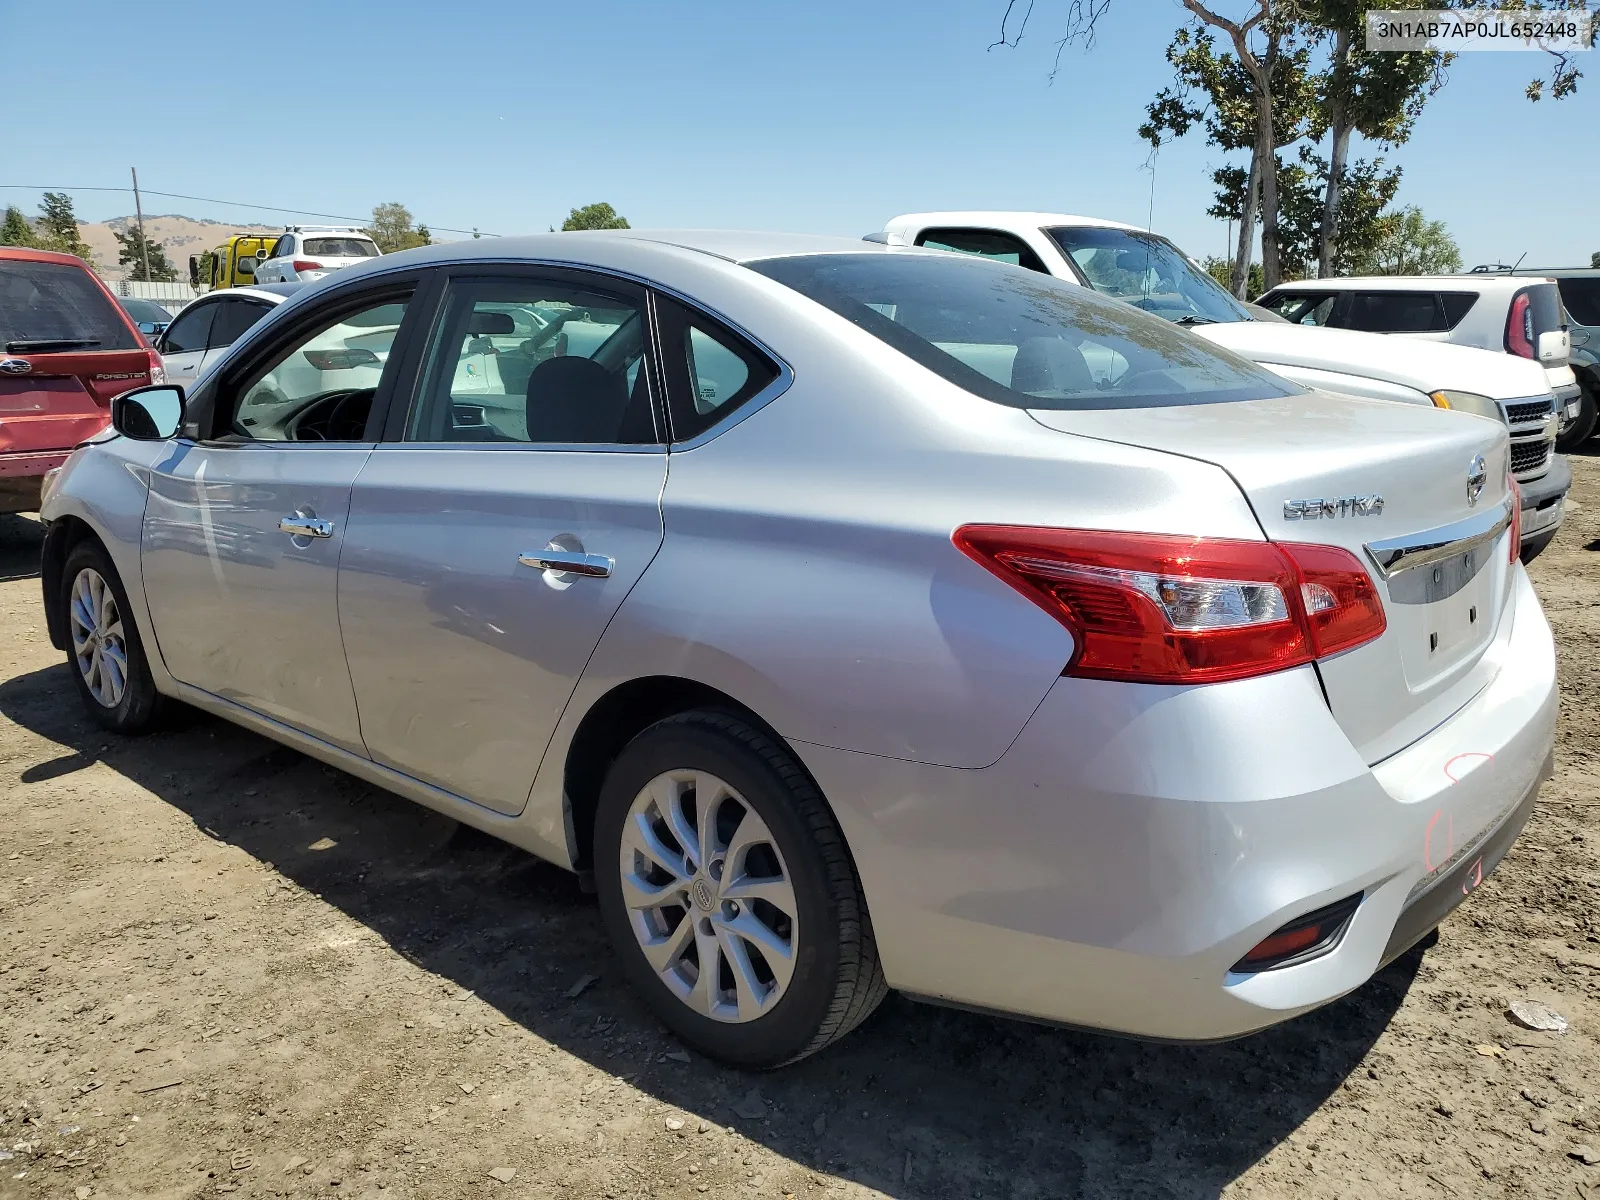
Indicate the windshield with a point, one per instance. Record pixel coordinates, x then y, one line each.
1020 338
1148 271
341 247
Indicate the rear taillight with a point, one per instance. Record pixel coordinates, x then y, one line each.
1516 518
1519 326
158 372
301 264
1154 608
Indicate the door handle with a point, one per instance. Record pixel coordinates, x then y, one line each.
573 562
298 526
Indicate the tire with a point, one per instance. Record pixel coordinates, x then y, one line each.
137 707
1533 547
834 979
1582 428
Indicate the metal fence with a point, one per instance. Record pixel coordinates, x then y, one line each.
171 296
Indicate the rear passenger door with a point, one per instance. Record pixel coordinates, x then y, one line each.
496 531
183 345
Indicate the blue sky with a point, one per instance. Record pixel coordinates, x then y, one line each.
824 117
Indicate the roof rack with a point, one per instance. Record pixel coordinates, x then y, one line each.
322 229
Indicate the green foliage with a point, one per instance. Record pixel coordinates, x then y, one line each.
57 227
204 262
16 231
594 216
1221 270
1366 190
393 229
132 248
1407 243
1594 260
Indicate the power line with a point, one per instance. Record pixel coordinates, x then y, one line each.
298 212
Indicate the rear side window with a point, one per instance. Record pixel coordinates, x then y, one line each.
1456 306
1582 298
233 318
985 243
341 247
190 330
711 370
1396 312
1021 339
47 307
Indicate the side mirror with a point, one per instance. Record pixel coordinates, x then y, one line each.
149 328
1554 347
194 270
148 414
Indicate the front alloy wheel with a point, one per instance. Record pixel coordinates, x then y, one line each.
98 645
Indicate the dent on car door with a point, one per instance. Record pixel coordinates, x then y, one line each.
489 546
243 530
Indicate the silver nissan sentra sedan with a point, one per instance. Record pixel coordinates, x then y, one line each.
852 617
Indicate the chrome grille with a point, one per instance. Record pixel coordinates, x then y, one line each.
1529 456
1536 410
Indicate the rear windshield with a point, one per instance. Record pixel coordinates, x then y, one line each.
1020 338
1545 305
1582 298
47 307
344 247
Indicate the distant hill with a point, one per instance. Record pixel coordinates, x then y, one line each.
180 236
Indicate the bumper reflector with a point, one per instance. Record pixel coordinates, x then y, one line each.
1302 939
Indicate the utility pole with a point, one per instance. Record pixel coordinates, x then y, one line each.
138 209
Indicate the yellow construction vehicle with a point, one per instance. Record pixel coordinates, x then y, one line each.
233 264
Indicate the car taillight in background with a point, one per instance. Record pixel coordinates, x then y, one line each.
1519 326
1516 517
158 372
1155 608
305 264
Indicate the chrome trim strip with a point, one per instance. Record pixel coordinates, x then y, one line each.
1396 555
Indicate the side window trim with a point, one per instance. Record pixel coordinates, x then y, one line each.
1027 257
733 416
404 400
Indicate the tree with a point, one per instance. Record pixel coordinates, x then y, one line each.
594 216
393 229
58 227
1594 260
16 231
1409 244
132 248
203 264
1221 269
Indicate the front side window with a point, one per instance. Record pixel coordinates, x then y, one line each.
536 361
1148 272
341 247
321 387
189 330
282 248
985 243
1021 339
1302 308
1396 312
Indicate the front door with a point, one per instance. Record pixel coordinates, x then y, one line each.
243 532
183 344
487 550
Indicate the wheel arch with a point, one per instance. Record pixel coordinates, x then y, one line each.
61 535
613 721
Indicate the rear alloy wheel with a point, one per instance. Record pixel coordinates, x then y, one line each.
729 893
104 651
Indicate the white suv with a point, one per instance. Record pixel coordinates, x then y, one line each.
1513 314
307 252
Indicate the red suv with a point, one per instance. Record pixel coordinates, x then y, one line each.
66 348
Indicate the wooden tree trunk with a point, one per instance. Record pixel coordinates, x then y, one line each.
1247 230
1328 235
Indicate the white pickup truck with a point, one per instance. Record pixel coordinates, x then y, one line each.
1147 270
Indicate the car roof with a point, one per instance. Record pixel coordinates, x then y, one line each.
276 293
25 254
1482 281
1549 272
1004 217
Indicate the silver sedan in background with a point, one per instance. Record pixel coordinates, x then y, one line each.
856 617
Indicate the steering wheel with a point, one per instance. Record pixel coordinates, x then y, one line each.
338 412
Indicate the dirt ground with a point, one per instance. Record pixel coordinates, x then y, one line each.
225 968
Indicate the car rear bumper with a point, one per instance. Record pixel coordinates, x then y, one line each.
1568 400
22 476
1135 841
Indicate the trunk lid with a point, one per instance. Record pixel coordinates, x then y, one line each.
1437 555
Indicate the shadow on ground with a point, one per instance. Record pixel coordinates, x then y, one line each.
920 1102
21 540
